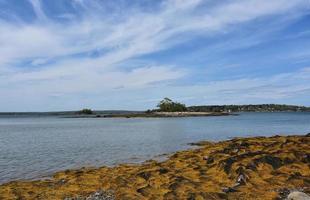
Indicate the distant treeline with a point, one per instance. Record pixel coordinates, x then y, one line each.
249 108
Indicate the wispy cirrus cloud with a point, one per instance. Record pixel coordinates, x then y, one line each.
92 48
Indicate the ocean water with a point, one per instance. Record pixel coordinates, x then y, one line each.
36 147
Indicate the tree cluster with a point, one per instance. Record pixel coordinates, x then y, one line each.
249 108
167 105
85 111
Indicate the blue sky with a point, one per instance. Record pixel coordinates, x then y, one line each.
118 54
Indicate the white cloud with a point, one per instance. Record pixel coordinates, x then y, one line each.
122 39
37 8
103 94
274 89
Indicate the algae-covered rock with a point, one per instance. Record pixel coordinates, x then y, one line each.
242 168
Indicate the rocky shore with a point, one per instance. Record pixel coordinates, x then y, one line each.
151 115
242 168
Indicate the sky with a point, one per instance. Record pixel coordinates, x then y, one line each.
119 54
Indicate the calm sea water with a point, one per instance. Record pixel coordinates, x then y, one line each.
37 147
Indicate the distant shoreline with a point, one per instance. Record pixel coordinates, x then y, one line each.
153 115
209 110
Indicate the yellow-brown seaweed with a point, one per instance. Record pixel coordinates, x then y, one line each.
266 165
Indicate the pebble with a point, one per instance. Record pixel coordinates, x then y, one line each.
98 195
101 195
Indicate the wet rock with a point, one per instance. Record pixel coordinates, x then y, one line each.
144 190
227 164
229 189
275 162
209 159
240 170
241 180
201 143
244 144
179 181
219 196
298 196
287 161
251 166
306 158
283 193
191 196
78 172
173 186
235 147
145 175
163 171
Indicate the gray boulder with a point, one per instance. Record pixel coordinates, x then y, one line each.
298 196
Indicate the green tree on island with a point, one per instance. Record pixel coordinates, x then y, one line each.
85 111
167 105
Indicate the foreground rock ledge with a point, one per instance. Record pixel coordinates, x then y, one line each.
242 168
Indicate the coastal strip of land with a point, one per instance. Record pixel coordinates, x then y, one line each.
151 115
241 168
166 108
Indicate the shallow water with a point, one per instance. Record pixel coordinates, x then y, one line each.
33 147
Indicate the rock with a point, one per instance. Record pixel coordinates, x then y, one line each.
251 166
227 164
298 196
306 158
229 189
75 198
61 182
275 162
240 170
144 190
98 195
241 179
163 171
101 195
283 193
191 196
145 175
209 160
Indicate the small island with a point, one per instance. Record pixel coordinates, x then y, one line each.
165 108
169 108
